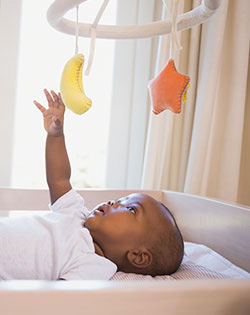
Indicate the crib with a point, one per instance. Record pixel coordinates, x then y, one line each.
223 227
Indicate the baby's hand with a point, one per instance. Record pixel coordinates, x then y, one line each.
54 115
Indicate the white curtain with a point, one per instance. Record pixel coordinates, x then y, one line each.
130 106
205 150
10 15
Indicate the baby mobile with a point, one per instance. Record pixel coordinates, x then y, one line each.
167 91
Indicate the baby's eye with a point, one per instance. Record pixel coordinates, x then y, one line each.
132 209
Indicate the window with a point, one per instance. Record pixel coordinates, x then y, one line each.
43 53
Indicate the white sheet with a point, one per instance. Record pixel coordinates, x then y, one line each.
199 262
208 258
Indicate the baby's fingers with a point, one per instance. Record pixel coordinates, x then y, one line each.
39 106
60 99
48 97
55 97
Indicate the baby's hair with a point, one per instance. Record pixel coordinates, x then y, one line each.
168 250
179 232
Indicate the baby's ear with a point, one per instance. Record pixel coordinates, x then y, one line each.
140 258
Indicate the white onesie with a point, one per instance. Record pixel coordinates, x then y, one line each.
52 246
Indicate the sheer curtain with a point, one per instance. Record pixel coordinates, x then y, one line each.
10 16
169 135
133 64
205 150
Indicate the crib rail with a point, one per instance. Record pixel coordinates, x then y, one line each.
38 199
222 226
206 297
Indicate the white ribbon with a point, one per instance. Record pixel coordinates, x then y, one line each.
174 42
93 36
76 30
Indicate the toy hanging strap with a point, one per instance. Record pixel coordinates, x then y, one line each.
76 30
174 42
93 35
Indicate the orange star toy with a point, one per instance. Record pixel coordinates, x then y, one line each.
168 89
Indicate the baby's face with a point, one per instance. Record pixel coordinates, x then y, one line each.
124 224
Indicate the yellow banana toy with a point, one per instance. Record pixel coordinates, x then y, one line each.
71 88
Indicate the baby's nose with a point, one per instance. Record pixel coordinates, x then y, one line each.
112 203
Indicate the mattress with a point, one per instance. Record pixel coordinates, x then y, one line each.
199 262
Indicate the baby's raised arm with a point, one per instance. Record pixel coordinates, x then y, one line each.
57 162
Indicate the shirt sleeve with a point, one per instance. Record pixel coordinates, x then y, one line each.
69 203
90 266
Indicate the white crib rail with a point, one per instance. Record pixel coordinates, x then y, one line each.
206 297
222 226
38 199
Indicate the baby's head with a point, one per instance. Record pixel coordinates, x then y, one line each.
137 233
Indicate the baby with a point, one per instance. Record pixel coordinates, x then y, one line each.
134 234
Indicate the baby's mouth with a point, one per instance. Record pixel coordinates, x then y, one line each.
99 211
